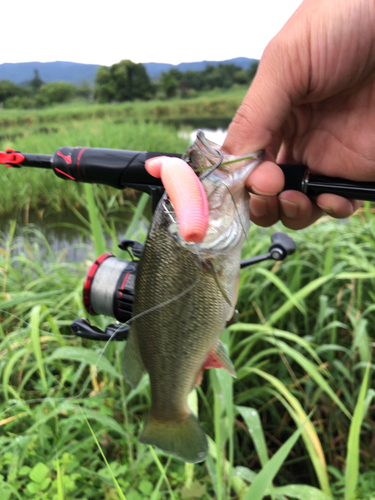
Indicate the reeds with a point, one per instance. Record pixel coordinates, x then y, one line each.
296 423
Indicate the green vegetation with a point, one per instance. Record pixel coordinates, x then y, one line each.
302 351
223 76
144 126
125 82
296 423
36 94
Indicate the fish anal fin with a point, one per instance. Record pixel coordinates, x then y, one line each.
133 367
217 358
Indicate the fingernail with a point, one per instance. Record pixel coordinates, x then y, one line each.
289 208
258 207
327 210
256 191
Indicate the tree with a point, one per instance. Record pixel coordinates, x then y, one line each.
123 81
84 90
104 87
252 70
36 82
169 84
54 92
9 89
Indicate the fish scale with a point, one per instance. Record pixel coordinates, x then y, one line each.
173 332
184 295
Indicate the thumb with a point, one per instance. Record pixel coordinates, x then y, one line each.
268 102
261 114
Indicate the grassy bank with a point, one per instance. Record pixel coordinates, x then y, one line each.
298 422
40 189
138 126
213 103
290 425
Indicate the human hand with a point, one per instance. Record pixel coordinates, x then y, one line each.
312 101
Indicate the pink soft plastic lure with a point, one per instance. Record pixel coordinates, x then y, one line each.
186 193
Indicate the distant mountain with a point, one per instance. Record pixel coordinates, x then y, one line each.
58 71
154 70
77 73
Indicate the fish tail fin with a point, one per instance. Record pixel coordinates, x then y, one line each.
185 438
133 367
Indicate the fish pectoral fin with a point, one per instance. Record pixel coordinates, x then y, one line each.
133 367
235 297
218 357
211 269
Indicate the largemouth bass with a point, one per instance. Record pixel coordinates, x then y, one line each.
184 295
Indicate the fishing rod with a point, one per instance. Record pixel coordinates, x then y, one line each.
109 285
124 168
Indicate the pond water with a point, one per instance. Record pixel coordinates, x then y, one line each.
65 233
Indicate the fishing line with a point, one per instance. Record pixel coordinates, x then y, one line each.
51 334
87 381
158 306
62 399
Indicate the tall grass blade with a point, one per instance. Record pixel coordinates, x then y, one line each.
226 388
237 482
9 367
282 287
189 468
35 342
264 478
60 489
302 492
310 435
313 371
98 235
84 355
12 228
137 215
252 420
117 486
162 471
352 455
155 494
297 297
218 433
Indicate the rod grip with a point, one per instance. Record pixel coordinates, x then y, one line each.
297 178
113 167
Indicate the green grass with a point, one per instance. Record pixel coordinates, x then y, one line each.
212 103
30 189
144 126
296 423
291 375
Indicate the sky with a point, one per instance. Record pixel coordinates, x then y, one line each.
104 32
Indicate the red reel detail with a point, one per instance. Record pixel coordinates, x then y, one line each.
88 281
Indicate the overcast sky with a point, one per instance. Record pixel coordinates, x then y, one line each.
144 31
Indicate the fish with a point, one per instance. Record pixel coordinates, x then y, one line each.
185 292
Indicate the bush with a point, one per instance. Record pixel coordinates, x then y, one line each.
19 102
55 92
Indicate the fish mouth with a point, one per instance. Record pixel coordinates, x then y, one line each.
227 197
217 241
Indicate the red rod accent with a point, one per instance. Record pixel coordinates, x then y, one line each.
11 157
64 157
64 173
